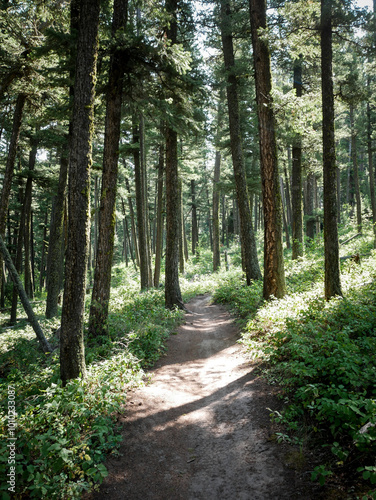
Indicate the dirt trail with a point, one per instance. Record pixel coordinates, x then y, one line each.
201 429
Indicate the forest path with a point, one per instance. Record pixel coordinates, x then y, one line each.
200 430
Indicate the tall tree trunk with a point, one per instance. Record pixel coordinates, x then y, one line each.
209 220
133 223
332 272
56 241
216 251
29 282
144 180
172 287
18 254
55 264
128 235
42 272
173 296
159 236
354 160
194 217
224 219
72 350
338 195
248 243
274 274
310 228
371 171
296 185
284 213
140 205
107 211
287 194
181 229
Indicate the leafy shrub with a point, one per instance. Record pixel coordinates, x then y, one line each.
323 357
62 435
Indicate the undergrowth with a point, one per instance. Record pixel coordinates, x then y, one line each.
322 356
64 435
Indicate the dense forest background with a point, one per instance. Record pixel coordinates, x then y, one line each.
150 152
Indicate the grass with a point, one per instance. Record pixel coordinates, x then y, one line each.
321 355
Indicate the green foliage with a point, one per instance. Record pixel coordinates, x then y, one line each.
321 354
232 289
64 434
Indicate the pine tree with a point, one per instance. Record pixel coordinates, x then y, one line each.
72 351
274 275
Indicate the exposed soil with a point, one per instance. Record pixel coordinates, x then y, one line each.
201 429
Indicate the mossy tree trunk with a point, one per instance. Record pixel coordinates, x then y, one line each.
331 248
248 243
72 350
173 296
274 275
56 242
106 230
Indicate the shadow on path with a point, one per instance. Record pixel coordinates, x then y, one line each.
200 430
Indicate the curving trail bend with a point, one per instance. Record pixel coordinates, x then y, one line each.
200 430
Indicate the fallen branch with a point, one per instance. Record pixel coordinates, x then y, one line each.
352 238
23 297
355 257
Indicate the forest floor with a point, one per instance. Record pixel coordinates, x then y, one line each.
201 428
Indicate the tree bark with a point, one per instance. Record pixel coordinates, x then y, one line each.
29 282
371 172
332 272
284 213
72 350
107 212
159 236
42 273
354 160
173 296
133 224
296 184
17 261
140 206
194 217
274 275
216 251
56 242
248 243
172 287
144 178
181 229
55 263
310 227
